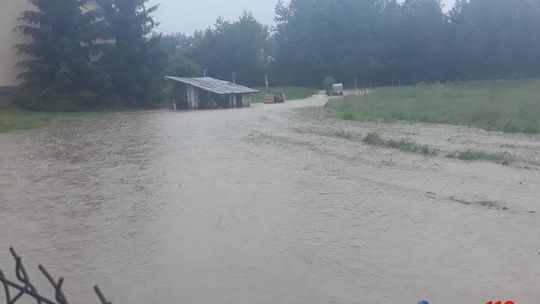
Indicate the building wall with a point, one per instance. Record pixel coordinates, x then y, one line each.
192 97
9 12
189 97
246 100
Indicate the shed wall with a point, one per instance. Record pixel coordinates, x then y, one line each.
190 97
193 97
246 100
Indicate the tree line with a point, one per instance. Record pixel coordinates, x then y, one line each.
386 42
382 42
110 54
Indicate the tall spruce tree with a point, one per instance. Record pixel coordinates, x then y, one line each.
61 71
134 60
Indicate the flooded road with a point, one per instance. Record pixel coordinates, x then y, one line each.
265 205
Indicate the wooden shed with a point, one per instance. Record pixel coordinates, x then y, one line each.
209 93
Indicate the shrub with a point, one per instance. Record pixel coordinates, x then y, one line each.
328 82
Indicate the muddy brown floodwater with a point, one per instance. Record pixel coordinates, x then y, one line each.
270 205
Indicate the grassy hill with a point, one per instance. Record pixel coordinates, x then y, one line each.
13 117
504 105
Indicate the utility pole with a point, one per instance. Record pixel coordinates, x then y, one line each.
234 77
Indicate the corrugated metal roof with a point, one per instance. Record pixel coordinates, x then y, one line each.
213 85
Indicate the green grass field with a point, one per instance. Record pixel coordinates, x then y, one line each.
14 118
508 106
291 93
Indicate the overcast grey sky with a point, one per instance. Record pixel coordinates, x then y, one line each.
190 15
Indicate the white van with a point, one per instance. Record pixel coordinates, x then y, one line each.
337 89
